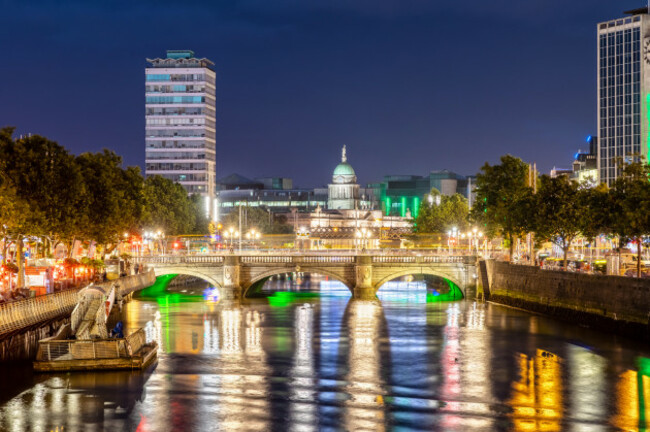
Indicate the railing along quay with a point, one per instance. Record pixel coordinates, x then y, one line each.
19 314
24 313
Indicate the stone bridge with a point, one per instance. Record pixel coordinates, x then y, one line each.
362 274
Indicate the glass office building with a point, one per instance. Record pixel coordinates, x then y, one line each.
180 121
623 97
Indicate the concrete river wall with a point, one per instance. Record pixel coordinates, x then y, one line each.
23 323
613 303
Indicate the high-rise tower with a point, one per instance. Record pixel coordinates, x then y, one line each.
180 122
623 91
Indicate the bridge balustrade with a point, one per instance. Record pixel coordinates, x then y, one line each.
266 259
346 259
179 259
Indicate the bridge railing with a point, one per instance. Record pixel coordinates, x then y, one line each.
179 259
327 259
427 259
261 259
306 259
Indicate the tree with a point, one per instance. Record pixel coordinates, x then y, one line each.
201 221
630 203
504 199
167 206
598 218
452 211
112 196
45 177
561 207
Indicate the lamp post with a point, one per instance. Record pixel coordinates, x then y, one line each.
231 234
253 235
474 235
363 235
452 235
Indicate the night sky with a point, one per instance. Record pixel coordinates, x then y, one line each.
408 86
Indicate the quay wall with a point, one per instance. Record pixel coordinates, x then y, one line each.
23 323
612 303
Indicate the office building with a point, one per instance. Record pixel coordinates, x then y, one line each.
180 122
623 85
401 195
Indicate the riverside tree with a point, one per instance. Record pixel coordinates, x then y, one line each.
630 203
504 200
560 206
48 193
442 213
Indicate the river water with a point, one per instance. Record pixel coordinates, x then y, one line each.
304 356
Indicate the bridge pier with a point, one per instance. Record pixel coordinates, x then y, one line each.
363 288
231 289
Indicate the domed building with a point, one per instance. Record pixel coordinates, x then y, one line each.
343 193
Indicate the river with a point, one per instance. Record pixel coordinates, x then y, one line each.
304 356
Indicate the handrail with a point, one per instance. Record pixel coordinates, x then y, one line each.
24 313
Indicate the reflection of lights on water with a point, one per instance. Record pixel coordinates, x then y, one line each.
587 372
537 396
157 324
210 337
451 388
211 295
230 325
476 316
453 313
302 410
365 385
253 332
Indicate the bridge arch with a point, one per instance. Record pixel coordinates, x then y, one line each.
420 271
280 271
187 271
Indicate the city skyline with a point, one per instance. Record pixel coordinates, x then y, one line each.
406 87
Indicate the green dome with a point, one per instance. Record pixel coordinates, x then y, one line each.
344 168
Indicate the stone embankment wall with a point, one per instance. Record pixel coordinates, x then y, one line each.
20 342
613 303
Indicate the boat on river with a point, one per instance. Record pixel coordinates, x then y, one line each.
59 353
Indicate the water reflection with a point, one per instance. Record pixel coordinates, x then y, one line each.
303 392
364 405
312 359
77 402
537 396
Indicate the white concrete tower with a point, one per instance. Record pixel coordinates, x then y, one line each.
180 122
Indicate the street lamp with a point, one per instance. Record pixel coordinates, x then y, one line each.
363 235
231 234
253 235
451 238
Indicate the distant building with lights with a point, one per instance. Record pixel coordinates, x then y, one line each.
585 163
180 122
623 89
584 168
402 194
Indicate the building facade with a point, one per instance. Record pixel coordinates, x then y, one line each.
180 122
343 192
623 91
401 195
